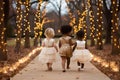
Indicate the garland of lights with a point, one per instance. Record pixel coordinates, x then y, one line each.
85 23
2 29
100 28
12 67
115 28
37 22
92 26
81 21
27 24
72 20
40 20
107 63
19 24
26 18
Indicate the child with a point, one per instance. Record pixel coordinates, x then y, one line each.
65 45
81 54
49 50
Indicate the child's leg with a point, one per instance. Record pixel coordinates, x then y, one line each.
63 62
50 66
82 65
78 63
68 62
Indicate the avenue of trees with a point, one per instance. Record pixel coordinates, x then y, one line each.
99 18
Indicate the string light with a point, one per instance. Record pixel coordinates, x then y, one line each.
72 18
100 29
106 63
2 30
19 24
81 20
37 22
12 67
40 20
26 24
115 37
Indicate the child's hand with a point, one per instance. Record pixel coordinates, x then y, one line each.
75 44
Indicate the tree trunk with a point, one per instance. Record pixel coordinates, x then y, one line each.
108 27
115 50
18 22
108 31
60 20
59 14
27 27
115 36
6 12
99 29
27 39
92 42
38 20
92 27
3 25
108 16
36 41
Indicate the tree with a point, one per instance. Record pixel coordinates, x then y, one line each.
4 4
19 29
92 24
58 10
27 24
77 9
100 28
39 21
115 29
108 15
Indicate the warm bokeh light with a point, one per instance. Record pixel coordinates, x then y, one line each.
107 63
16 65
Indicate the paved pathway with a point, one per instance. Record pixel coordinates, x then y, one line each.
36 71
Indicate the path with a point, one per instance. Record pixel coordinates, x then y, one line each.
36 71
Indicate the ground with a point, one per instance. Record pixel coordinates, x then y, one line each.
13 57
106 55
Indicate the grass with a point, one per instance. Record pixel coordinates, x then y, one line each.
12 42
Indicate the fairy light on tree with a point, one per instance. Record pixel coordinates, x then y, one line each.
77 12
100 28
85 7
40 20
115 28
3 50
92 26
72 20
27 24
19 29
37 23
72 15
81 22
